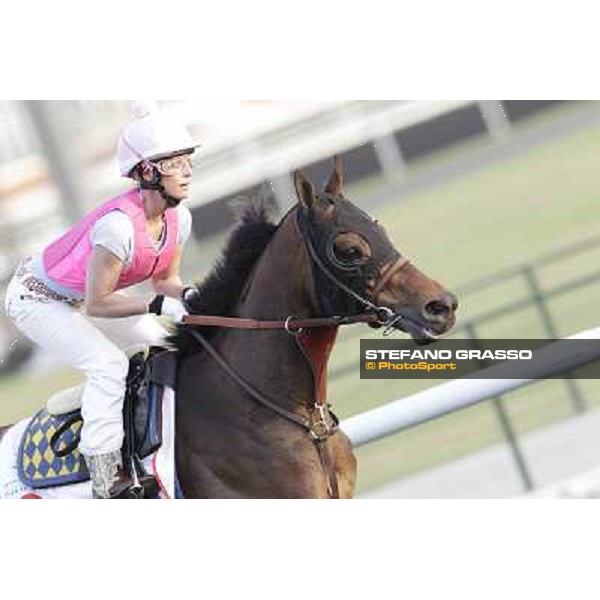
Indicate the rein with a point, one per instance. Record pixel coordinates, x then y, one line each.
316 429
290 324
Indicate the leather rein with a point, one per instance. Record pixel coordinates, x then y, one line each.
326 423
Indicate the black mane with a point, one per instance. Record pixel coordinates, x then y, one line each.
220 290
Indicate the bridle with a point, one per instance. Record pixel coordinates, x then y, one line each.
386 316
326 423
380 315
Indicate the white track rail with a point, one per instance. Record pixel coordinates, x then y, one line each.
461 393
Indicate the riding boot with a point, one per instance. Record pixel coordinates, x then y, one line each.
109 479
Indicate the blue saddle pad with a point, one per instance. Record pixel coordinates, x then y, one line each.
39 466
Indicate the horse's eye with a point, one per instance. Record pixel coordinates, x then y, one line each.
350 250
350 253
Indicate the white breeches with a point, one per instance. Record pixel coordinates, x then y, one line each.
95 346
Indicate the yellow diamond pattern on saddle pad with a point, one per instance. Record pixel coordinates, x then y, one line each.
39 467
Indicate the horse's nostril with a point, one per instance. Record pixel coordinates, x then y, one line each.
437 308
442 307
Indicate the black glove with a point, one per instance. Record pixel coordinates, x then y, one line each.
155 307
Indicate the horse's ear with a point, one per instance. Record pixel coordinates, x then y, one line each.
304 190
335 185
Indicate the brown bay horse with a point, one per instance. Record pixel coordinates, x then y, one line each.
252 419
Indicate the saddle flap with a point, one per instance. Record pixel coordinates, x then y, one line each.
143 406
163 369
147 420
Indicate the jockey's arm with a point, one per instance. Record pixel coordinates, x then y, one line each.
169 283
101 299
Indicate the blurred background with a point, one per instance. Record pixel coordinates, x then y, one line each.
496 199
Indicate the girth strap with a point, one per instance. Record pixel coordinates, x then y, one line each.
325 456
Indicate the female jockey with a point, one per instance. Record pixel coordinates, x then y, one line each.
135 237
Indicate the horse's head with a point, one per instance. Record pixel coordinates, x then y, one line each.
357 268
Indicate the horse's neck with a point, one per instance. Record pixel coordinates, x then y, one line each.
281 283
281 286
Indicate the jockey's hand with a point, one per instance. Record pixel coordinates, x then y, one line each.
170 307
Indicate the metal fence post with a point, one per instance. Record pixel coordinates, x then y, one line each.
497 123
539 299
505 424
389 155
60 161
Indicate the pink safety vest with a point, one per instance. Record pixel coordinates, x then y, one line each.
66 259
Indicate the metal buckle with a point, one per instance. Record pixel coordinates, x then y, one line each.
320 430
286 326
136 492
384 315
387 318
389 328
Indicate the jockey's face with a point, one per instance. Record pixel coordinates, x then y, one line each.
176 175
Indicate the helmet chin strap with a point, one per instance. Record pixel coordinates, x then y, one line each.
171 201
156 185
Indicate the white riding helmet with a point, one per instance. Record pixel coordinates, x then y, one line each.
151 135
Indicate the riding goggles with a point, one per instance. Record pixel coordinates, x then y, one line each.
176 165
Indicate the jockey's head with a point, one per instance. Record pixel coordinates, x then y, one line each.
155 150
